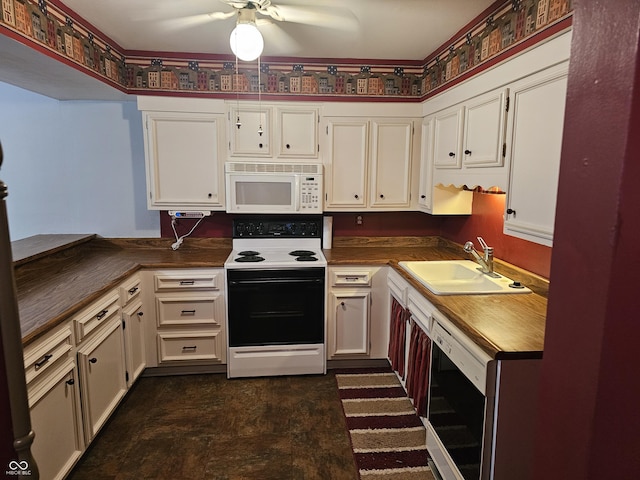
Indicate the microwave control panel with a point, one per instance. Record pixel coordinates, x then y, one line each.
310 194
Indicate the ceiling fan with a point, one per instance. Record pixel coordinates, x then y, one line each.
250 14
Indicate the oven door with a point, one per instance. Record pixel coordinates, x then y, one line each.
276 307
267 193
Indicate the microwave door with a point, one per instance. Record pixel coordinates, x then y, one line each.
262 194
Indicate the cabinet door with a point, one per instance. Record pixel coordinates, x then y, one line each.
250 131
56 421
297 132
535 132
426 170
447 138
184 154
134 334
391 151
484 128
102 369
346 163
351 322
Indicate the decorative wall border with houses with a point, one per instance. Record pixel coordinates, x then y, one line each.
56 32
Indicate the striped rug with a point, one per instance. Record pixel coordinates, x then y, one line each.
387 437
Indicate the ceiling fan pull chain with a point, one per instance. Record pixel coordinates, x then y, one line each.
260 131
236 80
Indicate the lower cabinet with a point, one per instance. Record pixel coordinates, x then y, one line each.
357 303
189 317
78 372
101 363
54 402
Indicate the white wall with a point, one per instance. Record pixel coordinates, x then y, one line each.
73 166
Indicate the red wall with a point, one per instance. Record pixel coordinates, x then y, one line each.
487 222
590 386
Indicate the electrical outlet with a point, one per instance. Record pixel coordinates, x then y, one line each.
358 219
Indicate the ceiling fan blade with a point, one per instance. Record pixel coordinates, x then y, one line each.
277 41
327 17
194 20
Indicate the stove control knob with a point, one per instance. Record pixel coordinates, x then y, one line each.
240 229
313 228
260 228
292 229
251 228
303 228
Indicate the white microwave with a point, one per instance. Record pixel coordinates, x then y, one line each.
273 187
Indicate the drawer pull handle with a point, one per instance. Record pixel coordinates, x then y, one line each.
101 315
38 365
352 279
189 349
140 314
187 282
188 312
133 290
93 360
70 381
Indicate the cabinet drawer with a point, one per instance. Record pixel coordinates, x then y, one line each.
188 281
186 311
40 355
129 290
351 278
96 315
174 347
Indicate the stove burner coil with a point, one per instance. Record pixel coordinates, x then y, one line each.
306 258
249 258
302 253
248 253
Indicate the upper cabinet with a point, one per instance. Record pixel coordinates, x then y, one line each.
438 199
368 163
535 134
184 153
469 142
273 131
250 131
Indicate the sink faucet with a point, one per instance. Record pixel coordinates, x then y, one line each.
486 262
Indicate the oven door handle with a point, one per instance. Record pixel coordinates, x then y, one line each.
263 281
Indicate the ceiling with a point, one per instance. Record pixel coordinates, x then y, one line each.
355 29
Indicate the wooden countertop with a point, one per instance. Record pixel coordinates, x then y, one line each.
53 285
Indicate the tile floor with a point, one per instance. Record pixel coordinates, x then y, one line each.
208 427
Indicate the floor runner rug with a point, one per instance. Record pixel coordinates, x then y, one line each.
387 436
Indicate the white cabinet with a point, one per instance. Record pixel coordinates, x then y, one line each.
535 135
250 130
189 317
447 138
368 163
346 159
54 402
270 131
133 322
101 362
438 199
185 154
297 129
468 142
356 305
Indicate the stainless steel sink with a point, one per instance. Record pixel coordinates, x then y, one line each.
459 277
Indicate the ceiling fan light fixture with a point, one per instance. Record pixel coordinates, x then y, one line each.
246 40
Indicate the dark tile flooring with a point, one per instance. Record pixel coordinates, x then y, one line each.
208 427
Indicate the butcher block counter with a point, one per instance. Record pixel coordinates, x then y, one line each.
58 275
